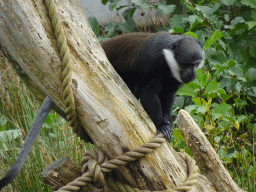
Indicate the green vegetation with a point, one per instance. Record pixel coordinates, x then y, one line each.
222 100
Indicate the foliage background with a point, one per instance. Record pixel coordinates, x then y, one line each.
222 100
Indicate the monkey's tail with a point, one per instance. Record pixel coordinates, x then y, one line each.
44 110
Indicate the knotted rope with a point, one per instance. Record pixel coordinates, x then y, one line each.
95 164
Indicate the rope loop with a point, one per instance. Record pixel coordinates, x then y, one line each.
92 162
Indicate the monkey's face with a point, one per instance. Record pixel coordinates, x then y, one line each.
187 71
184 59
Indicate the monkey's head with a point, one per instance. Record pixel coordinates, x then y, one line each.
184 57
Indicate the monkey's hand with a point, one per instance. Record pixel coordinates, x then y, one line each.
166 129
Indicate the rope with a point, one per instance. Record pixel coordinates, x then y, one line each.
95 164
67 69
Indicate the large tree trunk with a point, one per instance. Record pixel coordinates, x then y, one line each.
110 114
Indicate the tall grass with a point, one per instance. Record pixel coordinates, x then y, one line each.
18 109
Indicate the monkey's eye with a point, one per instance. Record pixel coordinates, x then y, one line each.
197 64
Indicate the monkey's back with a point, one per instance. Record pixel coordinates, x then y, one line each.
123 49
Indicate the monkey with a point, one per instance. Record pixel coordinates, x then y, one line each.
44 110
154 66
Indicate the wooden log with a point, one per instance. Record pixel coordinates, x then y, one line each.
207 159
63 171
108 112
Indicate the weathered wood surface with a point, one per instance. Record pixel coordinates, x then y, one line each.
107 110
63 171
207 159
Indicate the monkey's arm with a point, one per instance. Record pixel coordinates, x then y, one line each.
152 105
44 110
167 101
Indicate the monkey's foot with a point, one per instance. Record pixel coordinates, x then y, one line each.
166 130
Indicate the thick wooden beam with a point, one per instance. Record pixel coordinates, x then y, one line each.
207 159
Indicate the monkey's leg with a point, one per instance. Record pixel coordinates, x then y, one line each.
44 110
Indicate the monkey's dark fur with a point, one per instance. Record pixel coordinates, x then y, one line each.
154 66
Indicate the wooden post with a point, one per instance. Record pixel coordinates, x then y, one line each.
207 159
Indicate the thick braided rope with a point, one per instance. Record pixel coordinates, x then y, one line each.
67 67
95 164
185 186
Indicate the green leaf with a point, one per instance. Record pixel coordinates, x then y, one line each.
166 9
234 22
245 55
132 11
192 34
252 91
121 7
222 108
94 24
221 152
207 11
128 13
228 2
226 17
241 118
237 20
3 120
128 26
111 29
176 21
191 109
231 155
104 2
252 74
9 135
252 49
141 4
177 133
202 76
176 30
251 3
218 138
186 90
238 87
218 57
213 86
216 35
222 44
199 101
251 24
253 14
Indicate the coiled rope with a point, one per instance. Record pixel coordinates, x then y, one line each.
95 164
